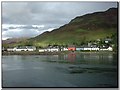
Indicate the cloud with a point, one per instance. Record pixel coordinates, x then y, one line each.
46 14
17 31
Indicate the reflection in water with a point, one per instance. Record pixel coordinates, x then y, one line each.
92 58
84 70
82 58
71 57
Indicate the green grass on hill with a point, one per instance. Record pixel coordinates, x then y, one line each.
89 27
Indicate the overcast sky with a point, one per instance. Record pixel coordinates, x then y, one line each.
29 19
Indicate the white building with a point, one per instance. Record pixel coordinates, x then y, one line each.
25 48
42 50
91 48
31 48
87 48
49 50
107 40
107 49
3 48
110 49
53 49
95 48
10 49
65 49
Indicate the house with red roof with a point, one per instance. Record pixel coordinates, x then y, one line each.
71 48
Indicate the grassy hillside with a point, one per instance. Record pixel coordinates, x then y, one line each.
13 41
81 29
85 28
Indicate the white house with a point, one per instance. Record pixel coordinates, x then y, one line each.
31 48
64 49
79 48
110 49
10 49
23 48
3 48
50 49
87 48
53 49
95 48
107 40
107 49
42 50
91 48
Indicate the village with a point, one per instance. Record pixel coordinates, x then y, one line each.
90 46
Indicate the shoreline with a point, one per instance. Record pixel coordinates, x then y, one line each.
53 53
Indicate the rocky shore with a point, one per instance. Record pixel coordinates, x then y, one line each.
48 53
30 53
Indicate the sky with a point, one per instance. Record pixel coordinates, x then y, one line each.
29 19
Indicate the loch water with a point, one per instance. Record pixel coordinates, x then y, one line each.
66 70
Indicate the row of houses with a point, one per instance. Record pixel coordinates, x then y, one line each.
53 49
22 48
56 49
73 48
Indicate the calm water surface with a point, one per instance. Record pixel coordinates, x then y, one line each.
71 70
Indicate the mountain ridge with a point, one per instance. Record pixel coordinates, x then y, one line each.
81 29
89 27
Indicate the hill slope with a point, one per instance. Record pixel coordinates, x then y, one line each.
13 41
84 28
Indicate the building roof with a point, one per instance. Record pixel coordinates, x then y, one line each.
105 47
22 47
108 39
30 47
